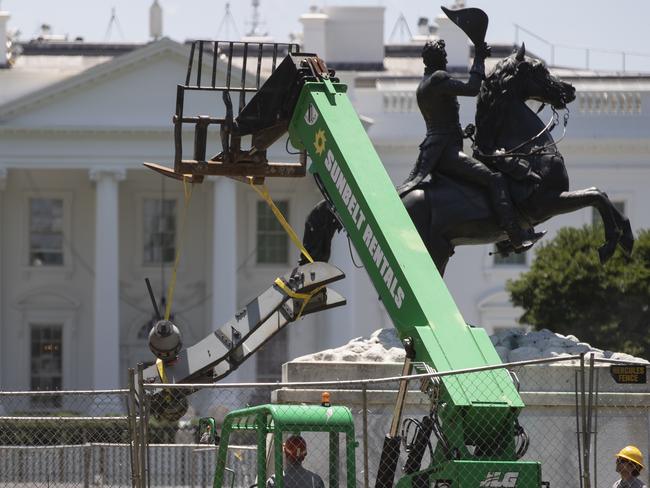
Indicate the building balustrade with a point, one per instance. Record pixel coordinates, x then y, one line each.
608 102
399 101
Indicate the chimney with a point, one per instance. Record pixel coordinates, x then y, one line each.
346 37
313 32
423 26
4 40
155 20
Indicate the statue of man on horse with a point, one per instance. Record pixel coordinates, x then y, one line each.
442 149
516 177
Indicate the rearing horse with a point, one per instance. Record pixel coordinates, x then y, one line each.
448 213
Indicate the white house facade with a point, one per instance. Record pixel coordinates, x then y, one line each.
83 223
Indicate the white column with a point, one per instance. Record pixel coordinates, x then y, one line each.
224 254
106 353
224 260
342 322
363 313
3 185
4 18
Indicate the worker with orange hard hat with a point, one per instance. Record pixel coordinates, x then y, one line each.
629 463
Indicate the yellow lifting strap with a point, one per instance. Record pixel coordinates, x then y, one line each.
263 192
187 192
160 366
305 297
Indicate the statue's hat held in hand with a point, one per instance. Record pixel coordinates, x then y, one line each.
472 21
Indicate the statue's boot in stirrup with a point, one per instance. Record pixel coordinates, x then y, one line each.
521 239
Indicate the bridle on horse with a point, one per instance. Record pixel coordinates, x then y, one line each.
541 150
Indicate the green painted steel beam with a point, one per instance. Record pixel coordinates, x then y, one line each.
413 292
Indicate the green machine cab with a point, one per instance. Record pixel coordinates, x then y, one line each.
273 422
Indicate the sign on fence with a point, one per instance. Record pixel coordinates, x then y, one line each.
628 374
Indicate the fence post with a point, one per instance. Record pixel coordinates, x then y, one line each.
596 394
648 423
364 400
134 449
144 480
86 451
585 428
61 456
578 433
587 413
102 465
190 466
590 412
21 464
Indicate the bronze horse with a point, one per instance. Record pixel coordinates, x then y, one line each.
448 213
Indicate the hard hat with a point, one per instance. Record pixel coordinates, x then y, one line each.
295 448
632 453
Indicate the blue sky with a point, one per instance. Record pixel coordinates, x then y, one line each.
571 25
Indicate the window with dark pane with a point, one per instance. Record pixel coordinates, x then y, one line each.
596 219
46 363
159 227
511 260
272 240
45 232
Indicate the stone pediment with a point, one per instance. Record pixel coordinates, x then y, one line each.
130 92
495 300
46 299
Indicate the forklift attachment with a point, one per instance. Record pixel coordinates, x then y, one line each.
224 68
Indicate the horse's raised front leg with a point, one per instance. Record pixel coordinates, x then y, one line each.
570 201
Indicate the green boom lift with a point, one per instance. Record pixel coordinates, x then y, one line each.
474 416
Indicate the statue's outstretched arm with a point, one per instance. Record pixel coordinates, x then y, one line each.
469 88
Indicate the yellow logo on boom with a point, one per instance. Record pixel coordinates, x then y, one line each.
319 142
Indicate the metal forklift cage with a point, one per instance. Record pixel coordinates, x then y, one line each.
277 420
232 160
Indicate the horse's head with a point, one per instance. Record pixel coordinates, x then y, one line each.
514 80
534 81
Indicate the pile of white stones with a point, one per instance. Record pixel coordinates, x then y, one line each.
383 346
518 345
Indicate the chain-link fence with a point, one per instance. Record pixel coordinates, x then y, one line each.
65 439
615 415
462 428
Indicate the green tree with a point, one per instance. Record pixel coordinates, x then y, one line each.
568 291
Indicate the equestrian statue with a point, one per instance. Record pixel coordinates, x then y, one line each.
516 177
